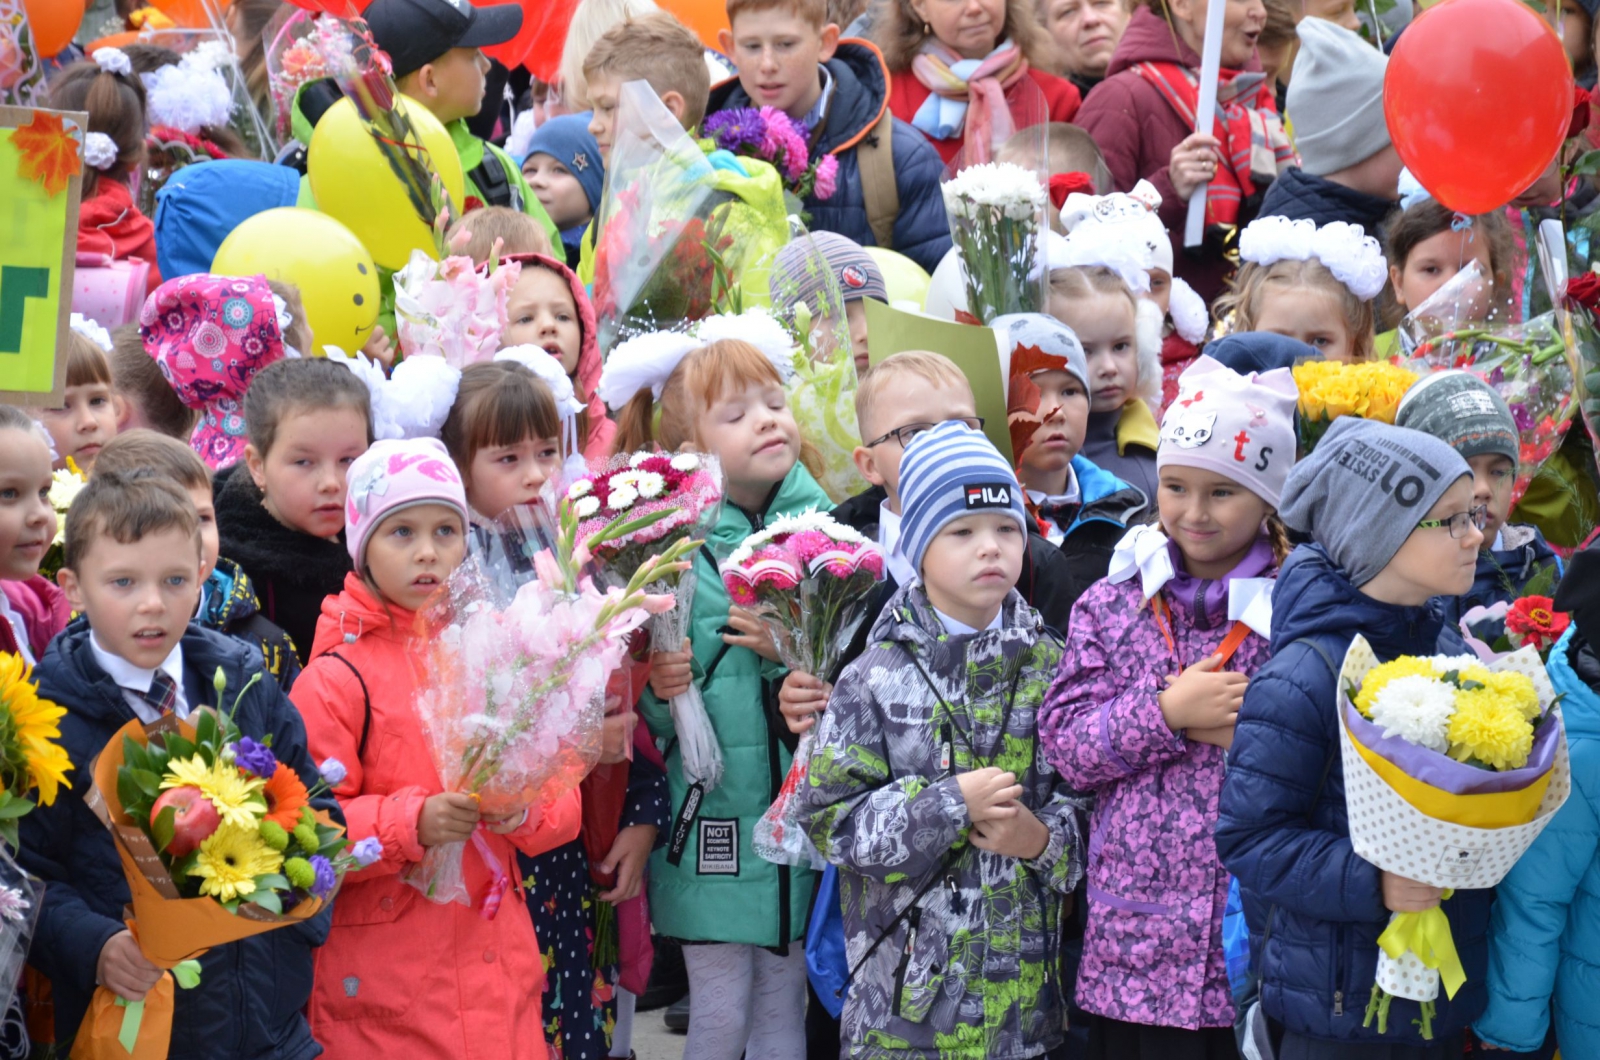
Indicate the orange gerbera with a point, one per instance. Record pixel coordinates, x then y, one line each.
286 797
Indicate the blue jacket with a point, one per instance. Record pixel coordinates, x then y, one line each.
1504 572
860 96
251 993
1297 194
1544 939
1316 909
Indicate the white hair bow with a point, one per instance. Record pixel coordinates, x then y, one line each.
1142 550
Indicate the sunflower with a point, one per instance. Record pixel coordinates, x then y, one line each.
237 797
285 796
28 728
230 859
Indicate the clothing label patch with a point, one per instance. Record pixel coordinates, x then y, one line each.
1459 862
987 495
719 847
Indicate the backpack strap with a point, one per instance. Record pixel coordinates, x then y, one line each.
875 159
492 182
366 701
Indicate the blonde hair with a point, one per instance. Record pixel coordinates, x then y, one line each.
898 31
518 233
1088 281
813 13
930 367
1245 298
590 21
660 50
299 334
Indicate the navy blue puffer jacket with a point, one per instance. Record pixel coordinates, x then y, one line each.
251 993
1316 909
860 96
1296 194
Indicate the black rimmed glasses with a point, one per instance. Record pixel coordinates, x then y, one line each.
904 434
1459 522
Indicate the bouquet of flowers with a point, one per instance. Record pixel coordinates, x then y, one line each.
809 579
450 308
1452 767
1329 389
772 136
996 212
1528 621
669 503
65 484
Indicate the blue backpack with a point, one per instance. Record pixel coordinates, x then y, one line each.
201 203
826 964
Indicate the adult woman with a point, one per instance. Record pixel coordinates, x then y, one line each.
1086 33
1142 117
960 68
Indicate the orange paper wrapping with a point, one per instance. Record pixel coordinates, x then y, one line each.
99 1035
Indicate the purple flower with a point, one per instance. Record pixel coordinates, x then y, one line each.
1524 418
735 129
255 758
368 851
333 771
326 879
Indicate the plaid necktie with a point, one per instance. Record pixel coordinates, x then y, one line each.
162 694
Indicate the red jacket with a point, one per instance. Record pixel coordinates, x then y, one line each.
906 94
109 223
43 609
1136 129
401 975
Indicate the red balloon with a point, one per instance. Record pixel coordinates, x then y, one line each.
338 8
538 44
1478 97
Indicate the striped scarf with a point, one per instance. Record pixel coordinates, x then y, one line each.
961 87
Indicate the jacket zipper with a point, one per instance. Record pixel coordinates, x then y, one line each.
1202 619
1338 971
905 958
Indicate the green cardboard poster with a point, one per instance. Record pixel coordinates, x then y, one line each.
975 350
41 167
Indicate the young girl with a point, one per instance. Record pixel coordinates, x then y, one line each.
1142 709
32 610
708 888
87 418
1124 352
1427 246
108 221
1309 283
503 434
401 975
281 514
549 309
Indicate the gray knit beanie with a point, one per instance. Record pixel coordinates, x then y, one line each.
1363 490
1336 98
1462 411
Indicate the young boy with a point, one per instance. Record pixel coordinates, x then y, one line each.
228 602
655 48
1394 524
790 58
796 277
956 841
144 396
87 417
133 572
436 48
564 170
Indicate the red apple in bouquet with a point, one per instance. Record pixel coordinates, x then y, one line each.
194 819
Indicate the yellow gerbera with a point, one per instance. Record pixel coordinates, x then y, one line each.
238 798
1383 673
34 726
1488 727
1516 688
230 859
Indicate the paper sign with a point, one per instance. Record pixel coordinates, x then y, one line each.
977 351
41 165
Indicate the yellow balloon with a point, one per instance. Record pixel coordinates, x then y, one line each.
337 279
905 279
352 180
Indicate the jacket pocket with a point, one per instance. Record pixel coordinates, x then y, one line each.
1102 897
919 977
378 901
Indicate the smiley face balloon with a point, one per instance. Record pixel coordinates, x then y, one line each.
337 279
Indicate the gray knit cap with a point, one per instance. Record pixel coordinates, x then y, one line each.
1336 98
1462 411
1364 488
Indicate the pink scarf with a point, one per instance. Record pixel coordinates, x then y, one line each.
967 88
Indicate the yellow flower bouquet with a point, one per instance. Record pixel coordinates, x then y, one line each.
1330 389
1452 767
30 756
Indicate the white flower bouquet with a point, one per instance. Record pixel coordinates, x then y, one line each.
996 213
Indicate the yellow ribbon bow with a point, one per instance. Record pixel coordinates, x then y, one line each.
1426 934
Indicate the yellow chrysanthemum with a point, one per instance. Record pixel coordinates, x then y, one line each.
31 727
230 859
238 798
1516 688
1383 673
1488 727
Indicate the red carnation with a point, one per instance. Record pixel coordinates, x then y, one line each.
1534 620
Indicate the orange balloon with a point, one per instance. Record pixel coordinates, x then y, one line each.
188 14
53 23
705 17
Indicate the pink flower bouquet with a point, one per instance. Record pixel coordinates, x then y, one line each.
451 309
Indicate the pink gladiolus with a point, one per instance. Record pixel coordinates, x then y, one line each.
548 571
659 603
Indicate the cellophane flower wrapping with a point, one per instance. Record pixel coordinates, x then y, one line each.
641 484
809 578
1452 767
996 213
19 913
452 308
1329 389
1578 323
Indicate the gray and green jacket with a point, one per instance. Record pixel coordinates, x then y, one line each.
967 966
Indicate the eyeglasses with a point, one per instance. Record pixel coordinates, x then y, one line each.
903 435
1459 522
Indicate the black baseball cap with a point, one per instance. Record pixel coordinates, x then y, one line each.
416 32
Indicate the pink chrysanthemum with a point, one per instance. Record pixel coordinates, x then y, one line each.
827 177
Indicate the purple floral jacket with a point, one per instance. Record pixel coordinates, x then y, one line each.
1153 950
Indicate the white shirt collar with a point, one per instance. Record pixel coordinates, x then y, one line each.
961 629
1073 495
136 681
820 110
889 540
19 629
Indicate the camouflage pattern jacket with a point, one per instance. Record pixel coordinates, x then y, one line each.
954 949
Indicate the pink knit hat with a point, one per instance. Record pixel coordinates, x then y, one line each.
1239 426
393 475
210 335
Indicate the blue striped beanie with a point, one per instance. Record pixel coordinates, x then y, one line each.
946 473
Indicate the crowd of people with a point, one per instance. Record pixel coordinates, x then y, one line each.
1079 789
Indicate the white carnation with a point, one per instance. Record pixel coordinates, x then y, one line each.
1417 709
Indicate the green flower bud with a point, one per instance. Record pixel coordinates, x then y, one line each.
300 873
273 834
306 836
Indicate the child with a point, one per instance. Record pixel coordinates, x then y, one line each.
132 570
210 335
1312 284
517 232
1427 246
281 515
403 975
109 222
790 58
726 399
145 398
1543 930
655 48
796 278
87 418
955 839
228 602
33 609
1142 710
436 48
1070 163
1124 371
549 308
564 170
504 434
1391 515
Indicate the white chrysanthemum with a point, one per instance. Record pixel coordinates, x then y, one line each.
640 457
624 479
1417 709
650 485
622 499
685 462
587 507
1014 190
1446 663
581 488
